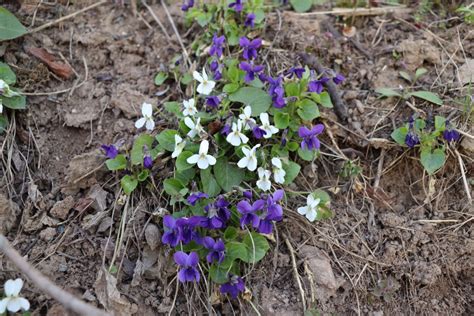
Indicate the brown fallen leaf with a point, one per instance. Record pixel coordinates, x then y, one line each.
59 68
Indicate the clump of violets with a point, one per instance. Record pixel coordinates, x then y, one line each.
262 213
187 263
310 137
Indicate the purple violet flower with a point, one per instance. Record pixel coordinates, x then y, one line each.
187 5
317 85
248 194
188 271
411 140
250 70
225 130
172 234
250 47
276 91
250 20
217 214
110 151
233 287
257 132
196 196
217 45
450 134
187 229
295 71
214 65
338 78
216 250
147 162
310 139
248 212
237 5
213 101
273 207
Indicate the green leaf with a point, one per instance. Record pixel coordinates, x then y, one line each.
301 5
308 110
230 87
7 74
166 139
258 99
227 175
420 72
186 79
257 246
440 123
237 250
3 124
15 103
399 135
282 120
128 184
172 186
10 27
230 233
209 183
292 89
432 161
137 154
428 96
181 163
307 155
292 170
143 175
322 195
174 108
325 100
185 176
292 146
405 76
387 92
118 163
218 274
160 78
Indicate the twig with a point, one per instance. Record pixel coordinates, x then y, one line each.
357 11
185 52
295 271
64 18
464 179
163 29
68 300
339 106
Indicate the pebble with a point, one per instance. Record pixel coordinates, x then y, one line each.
359 106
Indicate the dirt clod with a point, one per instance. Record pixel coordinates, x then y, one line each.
61 208
9 210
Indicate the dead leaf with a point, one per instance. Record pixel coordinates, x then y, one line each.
152 236
137 273
59 68
349 31
99 196
61 208
106 290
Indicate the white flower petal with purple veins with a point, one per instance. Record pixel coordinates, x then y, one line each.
203 160
236 137
249 161
263 182
311 209
13 302
179 144
205 86
147 119
278 171
189 108
269 129
246 117
195 128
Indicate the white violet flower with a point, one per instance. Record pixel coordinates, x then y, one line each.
269 129
278 171
1 106
179 144
263 182
13 302
189 108
196 128
205 85
236 137
247 118
202 159
311 209
147 119
250 159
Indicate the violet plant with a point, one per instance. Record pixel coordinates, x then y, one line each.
242 133
10 97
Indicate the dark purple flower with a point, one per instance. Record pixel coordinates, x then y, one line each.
276 91
194 197
110 151
248 194
188 271
217 214
284 138
233 287
248 212
273 207
225 130
257 132
450 134
213 101
310 139
250 70
171 235
187 5
411 140
216 250
214 65
250 20
263 77
187 229
295 71
265 225
217 45
317 85
250 47
147 162
237 5
338 78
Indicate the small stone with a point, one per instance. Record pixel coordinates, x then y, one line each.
47 234
61 208
359 106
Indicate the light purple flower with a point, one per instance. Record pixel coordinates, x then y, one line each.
188 271
310 139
